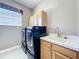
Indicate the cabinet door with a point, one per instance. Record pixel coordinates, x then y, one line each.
42 18
78 55
35 20
39 21
31 22
57 55
45 52
67 52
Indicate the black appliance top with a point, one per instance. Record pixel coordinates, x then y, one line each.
38 31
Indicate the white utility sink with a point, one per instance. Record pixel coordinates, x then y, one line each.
58 39
70 40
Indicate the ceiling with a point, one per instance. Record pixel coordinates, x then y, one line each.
28 3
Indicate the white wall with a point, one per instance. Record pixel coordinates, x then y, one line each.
9 35
78 17
61 13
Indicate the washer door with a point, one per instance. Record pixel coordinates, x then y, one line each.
30 45
29 38
23 35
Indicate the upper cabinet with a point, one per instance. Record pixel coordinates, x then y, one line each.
38 19
31 21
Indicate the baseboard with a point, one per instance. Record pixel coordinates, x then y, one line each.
9 49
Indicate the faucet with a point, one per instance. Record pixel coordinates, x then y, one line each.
57 31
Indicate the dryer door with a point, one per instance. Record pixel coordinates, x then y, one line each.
29 39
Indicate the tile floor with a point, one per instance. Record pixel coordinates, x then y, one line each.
14 54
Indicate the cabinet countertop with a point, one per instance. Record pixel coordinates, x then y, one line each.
72 44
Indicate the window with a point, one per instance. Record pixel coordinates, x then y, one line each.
10 16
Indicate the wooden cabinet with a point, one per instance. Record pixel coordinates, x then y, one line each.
57 55
45 50
38 19
31 22
53 51
78 55
63 52
42 18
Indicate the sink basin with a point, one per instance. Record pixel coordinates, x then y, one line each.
71 40
58 39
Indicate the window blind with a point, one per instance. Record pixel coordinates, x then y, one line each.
10 16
